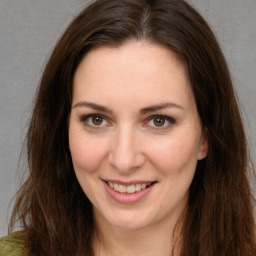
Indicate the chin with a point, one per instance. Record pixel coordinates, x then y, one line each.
129 221
129 225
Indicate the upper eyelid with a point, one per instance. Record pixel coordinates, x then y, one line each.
168 118
84 118
170 121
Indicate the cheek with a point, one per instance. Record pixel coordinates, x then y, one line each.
175 155
87 154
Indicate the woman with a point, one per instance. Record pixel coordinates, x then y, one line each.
135 145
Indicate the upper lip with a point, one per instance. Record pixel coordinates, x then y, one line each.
127 183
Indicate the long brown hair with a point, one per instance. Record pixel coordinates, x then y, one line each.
56 215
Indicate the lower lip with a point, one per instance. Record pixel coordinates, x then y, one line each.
126 198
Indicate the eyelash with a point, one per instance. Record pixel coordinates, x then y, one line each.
168 119
85 119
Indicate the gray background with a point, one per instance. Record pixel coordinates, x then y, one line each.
29 30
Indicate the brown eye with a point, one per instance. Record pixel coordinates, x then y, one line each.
97 120
159 121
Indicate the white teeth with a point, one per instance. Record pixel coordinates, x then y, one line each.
128 189
138 187
116 187
122 189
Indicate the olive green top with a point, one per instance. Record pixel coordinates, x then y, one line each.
12 245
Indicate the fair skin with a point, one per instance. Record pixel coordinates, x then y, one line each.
134 125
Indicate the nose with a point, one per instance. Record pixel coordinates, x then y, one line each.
126 153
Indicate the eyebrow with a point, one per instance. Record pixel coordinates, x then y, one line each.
93 106
154 108
145 110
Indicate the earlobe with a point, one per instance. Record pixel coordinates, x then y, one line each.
204 145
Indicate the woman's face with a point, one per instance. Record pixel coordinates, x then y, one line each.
134 134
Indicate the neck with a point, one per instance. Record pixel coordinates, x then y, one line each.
160 239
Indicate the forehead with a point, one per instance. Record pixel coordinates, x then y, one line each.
131 53
137 69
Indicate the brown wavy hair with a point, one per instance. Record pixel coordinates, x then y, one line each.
51 207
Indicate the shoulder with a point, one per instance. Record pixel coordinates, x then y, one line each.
12 245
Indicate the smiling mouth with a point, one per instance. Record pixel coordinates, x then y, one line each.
130 189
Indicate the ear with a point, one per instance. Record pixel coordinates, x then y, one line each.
204 145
